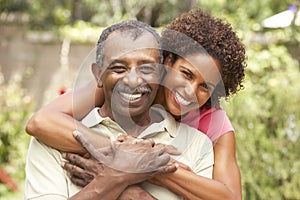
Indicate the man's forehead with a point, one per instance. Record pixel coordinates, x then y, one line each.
119 43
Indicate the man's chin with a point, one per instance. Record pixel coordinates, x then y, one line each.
130 111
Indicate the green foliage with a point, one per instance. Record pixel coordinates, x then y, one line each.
48 14
55 13
266 116
13 6
16 106
81 32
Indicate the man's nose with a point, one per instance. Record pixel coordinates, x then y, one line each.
133 79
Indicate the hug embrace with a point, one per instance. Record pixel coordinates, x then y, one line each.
151 121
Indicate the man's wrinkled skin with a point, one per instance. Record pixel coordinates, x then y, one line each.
84 171
131 155
154 157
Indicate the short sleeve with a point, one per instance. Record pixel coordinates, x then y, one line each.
212 122
215 123
45 178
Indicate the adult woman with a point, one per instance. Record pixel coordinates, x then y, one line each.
197 84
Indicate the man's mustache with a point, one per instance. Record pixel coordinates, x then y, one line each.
130 90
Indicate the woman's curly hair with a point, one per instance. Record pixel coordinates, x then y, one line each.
217 39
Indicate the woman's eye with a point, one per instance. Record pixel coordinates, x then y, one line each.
204 85
187 74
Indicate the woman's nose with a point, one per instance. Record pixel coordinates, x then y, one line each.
190 91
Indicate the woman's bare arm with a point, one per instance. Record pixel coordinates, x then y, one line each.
53 124
226 182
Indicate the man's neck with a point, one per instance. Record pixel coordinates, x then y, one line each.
132 125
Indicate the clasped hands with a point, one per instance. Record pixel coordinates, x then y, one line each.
134 160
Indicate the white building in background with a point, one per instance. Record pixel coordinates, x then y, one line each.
283 19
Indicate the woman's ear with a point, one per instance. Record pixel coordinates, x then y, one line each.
97 74
169 60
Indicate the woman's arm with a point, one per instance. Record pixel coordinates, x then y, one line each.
53 124
226 182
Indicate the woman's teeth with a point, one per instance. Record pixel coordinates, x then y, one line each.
181 100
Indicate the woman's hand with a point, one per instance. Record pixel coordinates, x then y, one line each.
160 179
137 158
131 155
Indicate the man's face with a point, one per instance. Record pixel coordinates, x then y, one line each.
130 74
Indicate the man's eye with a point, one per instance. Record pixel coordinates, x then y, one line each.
148 69
118 69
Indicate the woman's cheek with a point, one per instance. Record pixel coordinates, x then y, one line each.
203 97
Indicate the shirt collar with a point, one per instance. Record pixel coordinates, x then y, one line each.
167 124
93 118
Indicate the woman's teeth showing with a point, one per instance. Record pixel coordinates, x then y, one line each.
181 100
131 97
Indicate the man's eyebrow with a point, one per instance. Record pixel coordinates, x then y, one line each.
140 62
117 61
147 61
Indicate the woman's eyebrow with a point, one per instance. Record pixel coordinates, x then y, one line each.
181 66
211 84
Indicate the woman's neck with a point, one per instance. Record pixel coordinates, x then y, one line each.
160 97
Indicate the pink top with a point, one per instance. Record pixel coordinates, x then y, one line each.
213 122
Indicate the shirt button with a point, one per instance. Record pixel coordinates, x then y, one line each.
106 122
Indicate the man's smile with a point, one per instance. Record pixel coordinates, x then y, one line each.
131 97
132 94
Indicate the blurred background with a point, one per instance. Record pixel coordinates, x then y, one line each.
44 43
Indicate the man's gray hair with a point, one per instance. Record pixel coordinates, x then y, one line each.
134 28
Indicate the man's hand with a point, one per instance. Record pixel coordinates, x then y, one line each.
82 170
131 155
135 160
171 150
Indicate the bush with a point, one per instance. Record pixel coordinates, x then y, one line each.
266 117
16 106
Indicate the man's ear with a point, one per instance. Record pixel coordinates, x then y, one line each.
97 74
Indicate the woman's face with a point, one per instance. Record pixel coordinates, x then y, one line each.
190 82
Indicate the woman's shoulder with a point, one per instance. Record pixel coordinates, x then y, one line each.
213 122
198 114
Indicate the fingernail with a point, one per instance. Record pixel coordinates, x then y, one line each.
62 164
176 165
113 138
75 133
64 155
